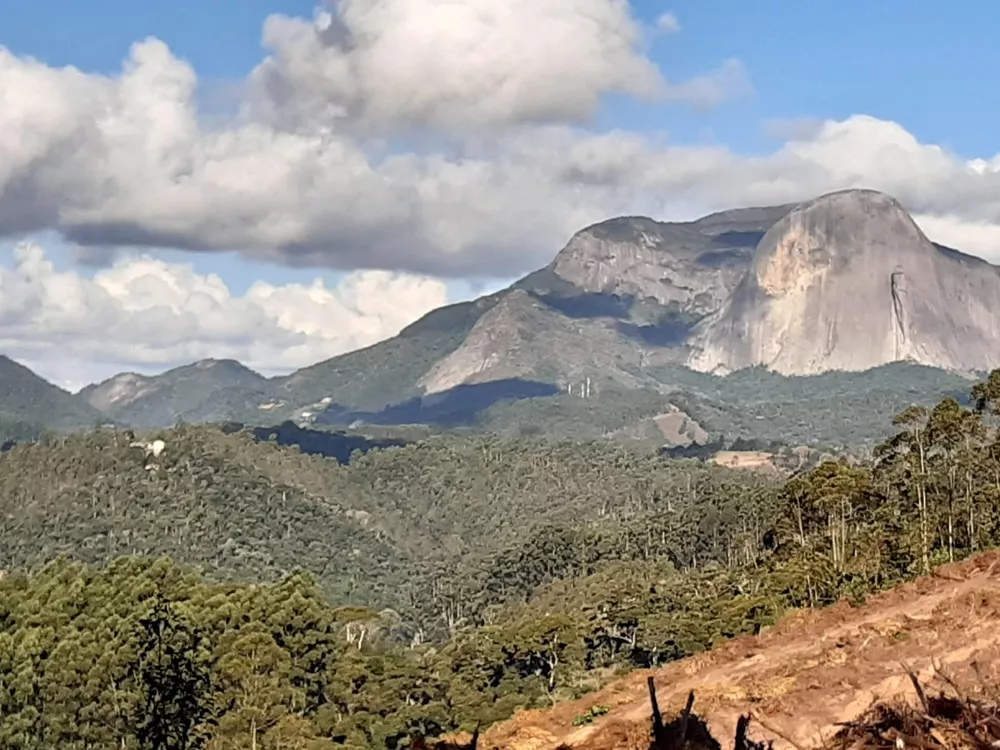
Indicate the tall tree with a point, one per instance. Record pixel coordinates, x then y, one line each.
173 679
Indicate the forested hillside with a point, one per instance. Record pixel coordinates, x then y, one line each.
830 411
449 582
429 528
28 402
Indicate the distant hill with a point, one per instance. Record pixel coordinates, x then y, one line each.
206 391
28 403
339 446
404 527
223 503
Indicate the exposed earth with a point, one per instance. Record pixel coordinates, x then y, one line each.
803 676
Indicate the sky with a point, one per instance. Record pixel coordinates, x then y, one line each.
281 182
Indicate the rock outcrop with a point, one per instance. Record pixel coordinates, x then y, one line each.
692 267
521 337
119 391
849 282
207 389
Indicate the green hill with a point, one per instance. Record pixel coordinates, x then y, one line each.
413 528
29 402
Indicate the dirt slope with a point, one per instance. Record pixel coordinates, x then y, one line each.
803 676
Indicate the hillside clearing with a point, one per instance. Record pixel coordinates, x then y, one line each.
805 675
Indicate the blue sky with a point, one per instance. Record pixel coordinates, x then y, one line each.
919 64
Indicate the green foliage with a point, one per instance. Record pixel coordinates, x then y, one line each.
437 531
203 502
834 409
491 575
206 391
386 373
14 430
566 416
171 681
27 399
595 712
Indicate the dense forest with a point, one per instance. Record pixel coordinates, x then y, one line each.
430 587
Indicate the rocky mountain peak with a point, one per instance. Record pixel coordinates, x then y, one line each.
849 282
677 265
831 232
118 390
490 350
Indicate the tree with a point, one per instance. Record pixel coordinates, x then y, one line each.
173 679
986 394
255 692
907 453
546 647
954 436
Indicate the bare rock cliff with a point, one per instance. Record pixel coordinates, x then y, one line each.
849 282
520 337
691 266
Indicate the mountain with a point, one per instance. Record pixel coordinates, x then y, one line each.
635 324
689 267
633 311
619 297
206 391
849 282
390 371
29 402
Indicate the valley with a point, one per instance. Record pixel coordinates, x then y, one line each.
477 375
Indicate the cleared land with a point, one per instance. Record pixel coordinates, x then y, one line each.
805 675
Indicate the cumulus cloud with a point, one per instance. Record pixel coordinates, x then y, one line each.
729 81
307 175
320 168
451 63
146 313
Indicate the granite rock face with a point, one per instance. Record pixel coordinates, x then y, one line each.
849 282
692 267
521 337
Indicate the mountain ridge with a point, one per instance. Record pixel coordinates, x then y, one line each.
28 400
623 315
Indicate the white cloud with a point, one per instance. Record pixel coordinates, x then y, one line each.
729 81
978 238
667 23
304 177
451 63
149 314
792 128
309 176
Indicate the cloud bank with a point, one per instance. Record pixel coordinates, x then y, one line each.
320 168
145 313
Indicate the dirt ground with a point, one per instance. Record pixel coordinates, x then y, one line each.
804 675
749 460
